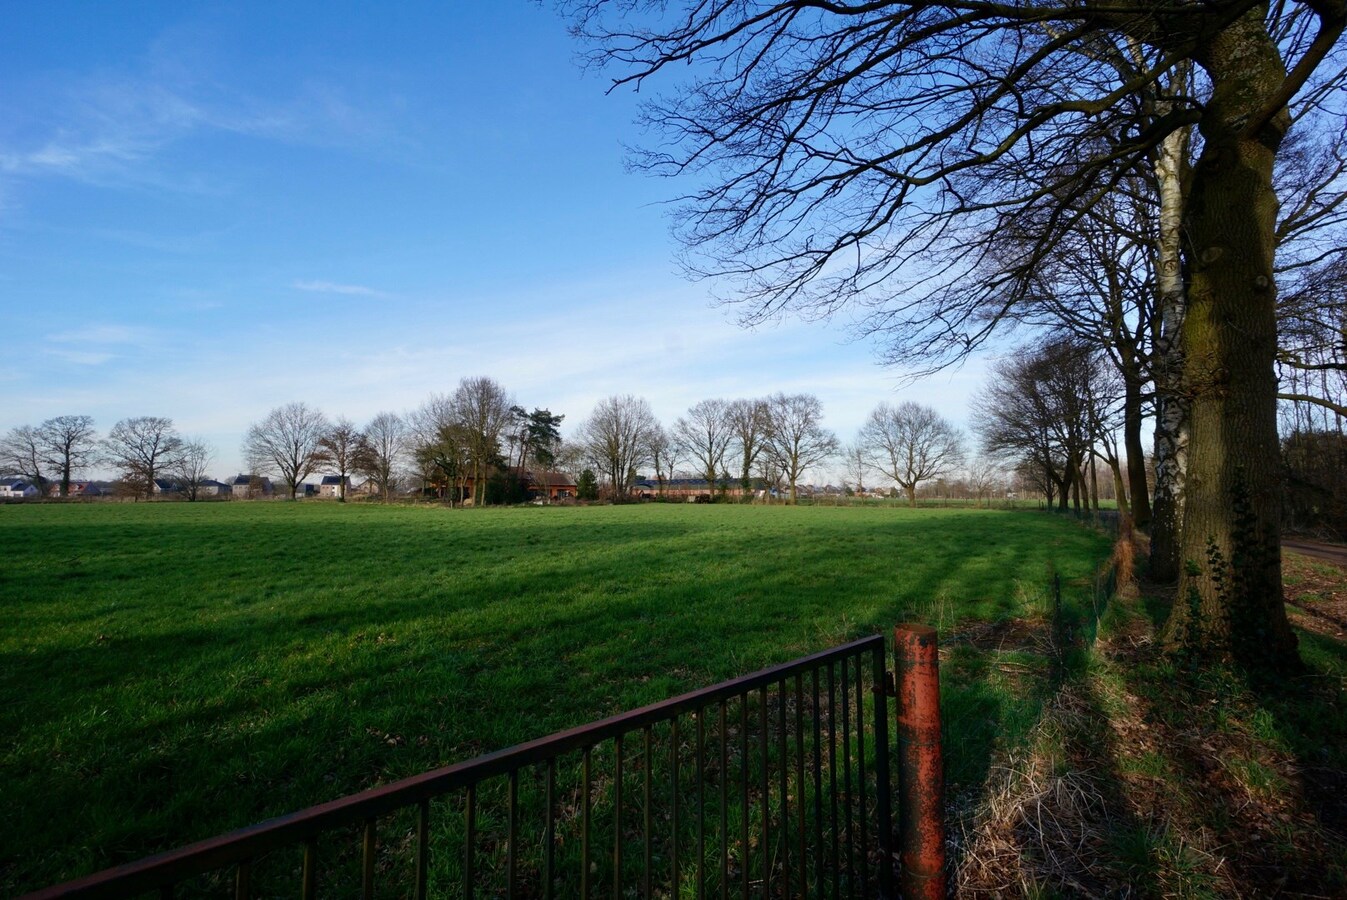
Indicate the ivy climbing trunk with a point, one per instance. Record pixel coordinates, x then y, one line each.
1229 603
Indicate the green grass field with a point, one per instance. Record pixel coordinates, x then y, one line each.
171 671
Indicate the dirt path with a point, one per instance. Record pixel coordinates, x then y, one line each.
1334 553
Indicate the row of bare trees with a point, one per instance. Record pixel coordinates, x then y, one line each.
142 449
456 443
777 439
1053 410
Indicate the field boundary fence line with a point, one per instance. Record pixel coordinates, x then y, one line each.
776 784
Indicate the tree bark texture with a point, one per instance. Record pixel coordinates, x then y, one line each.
1171 402
1229 603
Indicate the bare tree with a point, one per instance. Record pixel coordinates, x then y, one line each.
856 464
911 443
482 408
706 432
341 446
287 443
193 461
445 460
439 447
1045 405
382 451
142 449
616 437
1017 421
861 154
664 452
21 454
796 438
1099 284
748 420
68 445
983 477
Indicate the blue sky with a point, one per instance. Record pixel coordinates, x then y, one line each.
208 210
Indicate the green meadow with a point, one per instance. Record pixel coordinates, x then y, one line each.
171 671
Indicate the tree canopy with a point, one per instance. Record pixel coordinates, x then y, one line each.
864 156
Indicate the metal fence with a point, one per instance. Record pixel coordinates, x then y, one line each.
773 784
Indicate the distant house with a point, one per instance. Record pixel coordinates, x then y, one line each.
17 489
250 487
212 488
331 486
306 490
79 489
552 485
166 486
690 489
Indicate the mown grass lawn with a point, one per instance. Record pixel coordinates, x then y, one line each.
171 671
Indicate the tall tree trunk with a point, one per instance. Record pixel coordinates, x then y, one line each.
1094 484
1119 489
1229 603
911 491
1171 401
1136 454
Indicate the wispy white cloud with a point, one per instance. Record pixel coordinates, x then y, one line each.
100 334
82 357
331 287
114 128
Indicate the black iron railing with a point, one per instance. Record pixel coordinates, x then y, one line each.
773 784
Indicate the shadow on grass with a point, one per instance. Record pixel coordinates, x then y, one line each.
1209 783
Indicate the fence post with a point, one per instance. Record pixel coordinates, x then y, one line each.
921 770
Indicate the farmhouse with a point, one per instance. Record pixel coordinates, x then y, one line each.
552 485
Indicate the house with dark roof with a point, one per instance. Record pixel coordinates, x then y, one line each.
334 487
167 486
250 487
80 489
212 488
17 489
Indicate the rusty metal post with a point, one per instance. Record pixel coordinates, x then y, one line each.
921 768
